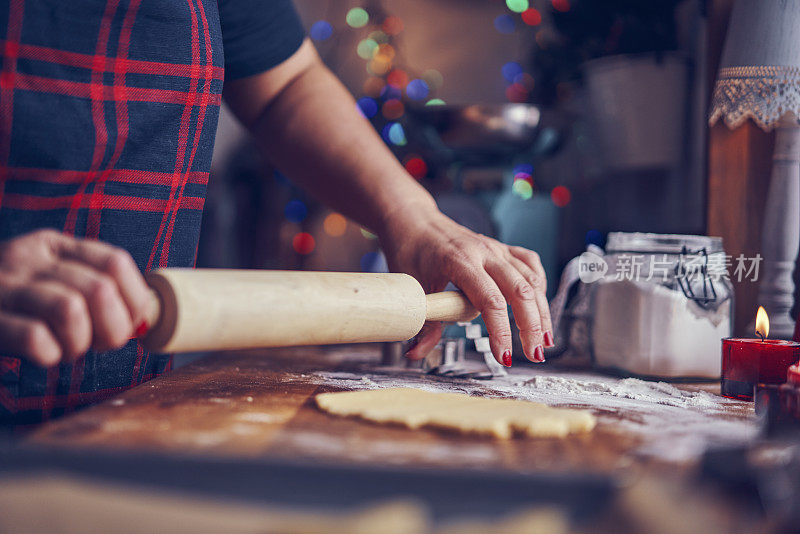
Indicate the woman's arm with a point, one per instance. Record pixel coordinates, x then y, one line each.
308 126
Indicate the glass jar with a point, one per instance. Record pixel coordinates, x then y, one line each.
662 306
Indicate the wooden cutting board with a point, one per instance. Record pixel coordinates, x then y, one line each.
260 403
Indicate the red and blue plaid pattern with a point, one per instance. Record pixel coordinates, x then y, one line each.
108 111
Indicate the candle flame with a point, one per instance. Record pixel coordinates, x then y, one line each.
762 322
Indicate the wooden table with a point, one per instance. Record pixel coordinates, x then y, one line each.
260 403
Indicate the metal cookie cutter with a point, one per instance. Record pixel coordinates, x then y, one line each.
454 356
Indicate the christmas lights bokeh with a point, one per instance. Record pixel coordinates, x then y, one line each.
392 86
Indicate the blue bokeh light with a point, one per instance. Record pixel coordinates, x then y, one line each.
320 30
505 23
367 106
295 211
417 89
511 70
393 133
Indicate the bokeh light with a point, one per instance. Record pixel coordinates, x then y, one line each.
511 70
367 234
532 17
522 188
397 78
433 78
594 237
392 25
367 106
560 196
525 168
386 50
295 211
542 39
373 86
417 89
561 5
504 23
525 80
516 93
366 48
357 17
517 6
416 166
523 176
334 225
435 102
390 92
368 260
379 65
378 36
393 109
303 243
393 133
320 30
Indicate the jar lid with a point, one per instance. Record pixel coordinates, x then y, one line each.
794 373
661 243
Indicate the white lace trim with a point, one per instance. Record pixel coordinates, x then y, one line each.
764 94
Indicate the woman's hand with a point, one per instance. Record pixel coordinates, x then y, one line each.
436 250
60 295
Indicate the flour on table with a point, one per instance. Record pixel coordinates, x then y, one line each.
628 388
671 424
259 417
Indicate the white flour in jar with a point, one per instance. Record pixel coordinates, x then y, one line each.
648 329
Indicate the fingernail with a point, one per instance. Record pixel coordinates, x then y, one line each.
141 330
538 354
548 339
411 344
507 358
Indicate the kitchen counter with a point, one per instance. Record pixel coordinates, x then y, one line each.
260 404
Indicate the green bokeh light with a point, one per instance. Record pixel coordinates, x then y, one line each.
522 189
517 6
366 49
435 102
358 17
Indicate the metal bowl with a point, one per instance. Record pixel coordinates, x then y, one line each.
487 131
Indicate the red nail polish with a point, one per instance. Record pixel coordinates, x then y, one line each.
507 358
548 339
411 345
142 329
538 354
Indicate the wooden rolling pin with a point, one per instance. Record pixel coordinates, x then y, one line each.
226 309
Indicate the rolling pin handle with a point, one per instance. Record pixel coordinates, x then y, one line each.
449 307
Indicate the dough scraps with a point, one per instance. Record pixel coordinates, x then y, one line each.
417 408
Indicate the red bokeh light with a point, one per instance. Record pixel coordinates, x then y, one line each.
531 17
560 196
561 5
397 78
416 167
393 109
516 93
392 25
303 243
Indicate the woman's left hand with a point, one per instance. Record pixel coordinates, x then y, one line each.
436 250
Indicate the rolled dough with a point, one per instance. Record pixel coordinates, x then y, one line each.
416 408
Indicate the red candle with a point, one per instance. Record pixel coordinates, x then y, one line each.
747 362
791 393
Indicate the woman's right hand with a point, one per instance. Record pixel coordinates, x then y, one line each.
61 296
